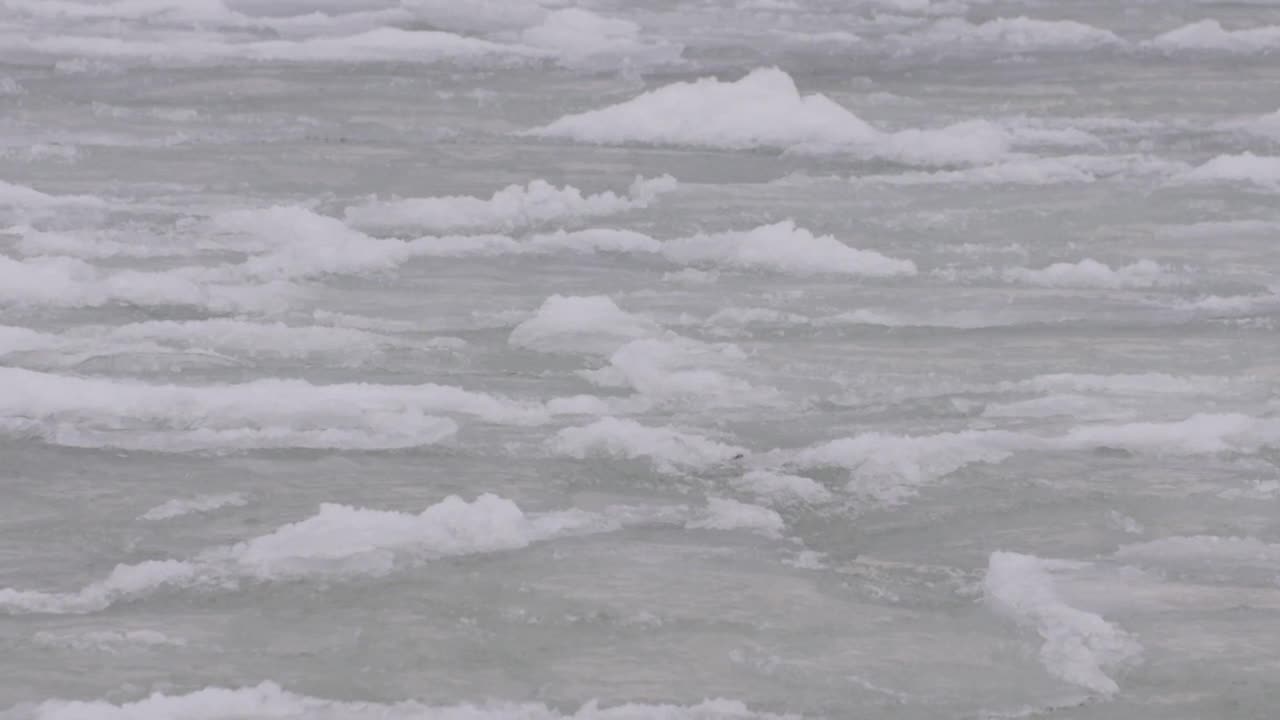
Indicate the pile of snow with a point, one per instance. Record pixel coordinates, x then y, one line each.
763 109
112 642
890 468
1079 407
1137 384
1210 36
1267 126
783 247
515 206
1078 647
592 324
582 39
291 15
667 447
663 367
270 700
731 318
94 244
778 488
674 370
338 541
1022 170
477 16
10 87
592 240
727 514
268 413
57 281
15 339
300 243
1209 557
1200 434
1029 171
343 346
13 195
294 243
1090 273
475 32
382 44
189 506
1260 170
1017 35
780 247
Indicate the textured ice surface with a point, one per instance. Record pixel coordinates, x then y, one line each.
546 359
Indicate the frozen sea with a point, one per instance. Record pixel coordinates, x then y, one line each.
617 360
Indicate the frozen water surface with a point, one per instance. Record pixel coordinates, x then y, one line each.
720 359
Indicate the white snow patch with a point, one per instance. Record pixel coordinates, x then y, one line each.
778 488
67 282
14 339
674 370
783 247
247 338
1080 407
583 39
95 244
200 504
339 541
383 44
890 468
1018 34
1213 552
1210 36
667 447
513 207
112 642
765 109
592 324
1090 273
1079 647
1267 126
270 700
10 87
21 196
727 514
267 413
1260 170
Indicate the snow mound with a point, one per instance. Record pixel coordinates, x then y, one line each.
1079 647
783 247
1210 36
188 506
667 447
592 324
727 514
1018 34
269 700
1260 170
582 39
513 207
268 413
339 541
763 109
782 489
1090 273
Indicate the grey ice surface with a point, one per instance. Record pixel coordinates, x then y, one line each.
919 362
